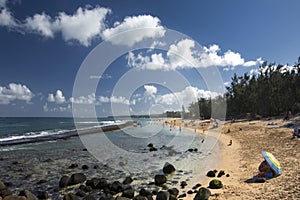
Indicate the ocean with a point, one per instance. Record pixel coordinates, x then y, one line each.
140 150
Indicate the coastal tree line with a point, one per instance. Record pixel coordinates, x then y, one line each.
272 92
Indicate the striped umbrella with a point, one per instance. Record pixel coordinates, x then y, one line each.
272 161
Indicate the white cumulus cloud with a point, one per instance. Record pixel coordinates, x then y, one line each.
150 90
6 18
90 99
114 99
57 98
83 26
143 26
40 23
15 92
184 54
185 97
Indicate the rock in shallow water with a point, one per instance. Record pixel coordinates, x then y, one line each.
28 195
76 179
129 193
70 196
168 168
128 180
160 179
14 197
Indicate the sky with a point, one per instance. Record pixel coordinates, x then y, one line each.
108 57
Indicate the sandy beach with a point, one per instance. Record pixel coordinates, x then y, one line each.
242 158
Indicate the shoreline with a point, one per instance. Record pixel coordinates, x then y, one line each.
241 157
66 135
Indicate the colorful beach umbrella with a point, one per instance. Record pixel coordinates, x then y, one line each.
272 161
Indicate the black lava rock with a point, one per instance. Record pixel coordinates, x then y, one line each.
128 180
43 195
221 173
89 197
183 184
150 145
174 191
28 195
102 183
80 193
129 193
215 184
70 196
64 181
168 168
160 179
93 182
196 186
85 167
202 194
145 192
116 186
140 197
73 166
163 195
211 174
76 179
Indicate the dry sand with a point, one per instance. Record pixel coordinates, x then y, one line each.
242 158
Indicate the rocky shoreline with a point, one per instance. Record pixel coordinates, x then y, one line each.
75 174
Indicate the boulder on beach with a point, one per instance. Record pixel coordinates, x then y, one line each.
174 191
160 179
122 198
28 195
183 184
221 173
129 193
163 195
73 180
89 197
70 196
168 168
102 183
117 187
127 180
14 197
93 183
145 193
215 184
140 197
73 166
150 145
211 173
77 178
202 194
2 186
64 181
152 149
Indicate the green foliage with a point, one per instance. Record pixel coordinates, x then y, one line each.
272 92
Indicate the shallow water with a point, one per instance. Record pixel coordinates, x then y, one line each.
118 154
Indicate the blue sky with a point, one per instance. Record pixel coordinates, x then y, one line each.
43 44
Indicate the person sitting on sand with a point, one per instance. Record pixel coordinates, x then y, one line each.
265 172
296 133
